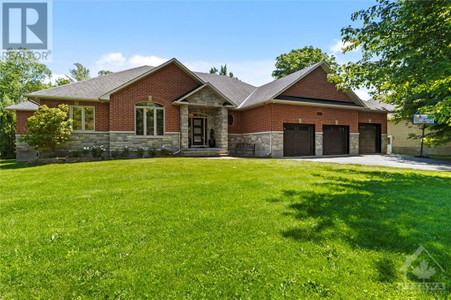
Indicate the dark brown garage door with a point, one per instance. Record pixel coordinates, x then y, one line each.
298 139
369 138
335 139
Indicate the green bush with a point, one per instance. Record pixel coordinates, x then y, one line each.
48 127
152 152
166 152
140 152
85 150
75 153
125 152
97 151
115 153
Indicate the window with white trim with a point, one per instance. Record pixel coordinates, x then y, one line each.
83 118
149 119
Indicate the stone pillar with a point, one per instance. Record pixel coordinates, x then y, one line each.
222 135
354 143
318 144
384 138
184 142
277 143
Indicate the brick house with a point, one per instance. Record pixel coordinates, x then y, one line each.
171 107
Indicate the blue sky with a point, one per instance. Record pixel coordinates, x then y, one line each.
247 35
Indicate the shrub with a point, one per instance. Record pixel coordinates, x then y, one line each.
125 152
75 153
140 152
115 153
85 150
166 152
48 127
97 151
152 152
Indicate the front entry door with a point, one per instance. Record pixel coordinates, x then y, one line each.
198 131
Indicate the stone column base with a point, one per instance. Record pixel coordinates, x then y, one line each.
354 143
318 143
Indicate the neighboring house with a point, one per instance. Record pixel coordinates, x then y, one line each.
169 106
401 144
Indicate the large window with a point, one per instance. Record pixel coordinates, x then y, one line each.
149 119
83 118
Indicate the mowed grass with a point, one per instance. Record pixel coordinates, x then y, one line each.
207 228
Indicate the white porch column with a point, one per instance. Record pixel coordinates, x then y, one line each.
184 142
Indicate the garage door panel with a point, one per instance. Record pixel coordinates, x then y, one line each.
335 139
298 139
369 138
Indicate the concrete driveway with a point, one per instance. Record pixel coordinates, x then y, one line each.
394 161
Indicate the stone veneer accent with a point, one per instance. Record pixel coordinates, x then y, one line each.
76 142
262 142
184 126
354 143
384 143
118 140
318 144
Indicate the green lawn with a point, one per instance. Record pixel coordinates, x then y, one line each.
203 228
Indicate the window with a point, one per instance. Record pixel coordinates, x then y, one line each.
83 118
149 118
231 120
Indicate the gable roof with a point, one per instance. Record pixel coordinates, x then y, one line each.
379 105
274 88
234 89
241 94
182 98
24 106
91 89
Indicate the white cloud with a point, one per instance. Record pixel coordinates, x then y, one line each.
339 45
111 58
140 60
54 78
363 94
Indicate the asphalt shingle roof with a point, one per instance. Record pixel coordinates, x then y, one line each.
27 106
234 89
93 88
242 94
271 89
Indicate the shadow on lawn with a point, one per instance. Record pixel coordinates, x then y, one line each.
11 164
379 211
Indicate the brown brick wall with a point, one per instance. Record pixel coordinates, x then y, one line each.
285 113
256 119
21 120
315 85
165 86
376 118
101 111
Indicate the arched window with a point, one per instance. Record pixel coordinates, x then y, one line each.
149 119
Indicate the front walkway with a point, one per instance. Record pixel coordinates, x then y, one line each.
394 161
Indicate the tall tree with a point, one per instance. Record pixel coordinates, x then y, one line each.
406 59
104 72
79 73
20 73
299 59
222 71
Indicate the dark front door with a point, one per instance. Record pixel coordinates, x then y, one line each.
298 139
369 138
335 139
198 127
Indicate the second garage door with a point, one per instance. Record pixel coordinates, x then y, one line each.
298 139
369 138
335 139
